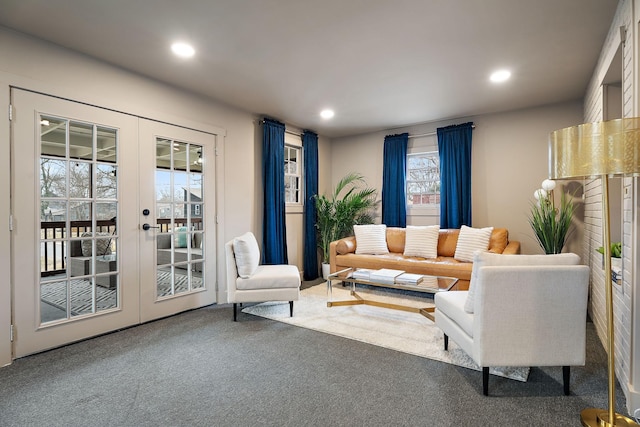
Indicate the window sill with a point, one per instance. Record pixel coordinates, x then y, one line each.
294 209
424 211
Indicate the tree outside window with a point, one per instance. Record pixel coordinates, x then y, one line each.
423 179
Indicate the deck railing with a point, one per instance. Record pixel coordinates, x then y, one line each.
53 238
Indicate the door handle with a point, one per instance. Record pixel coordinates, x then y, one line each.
146 226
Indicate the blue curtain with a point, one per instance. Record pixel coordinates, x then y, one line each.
274 234
394 177
310 156
454 147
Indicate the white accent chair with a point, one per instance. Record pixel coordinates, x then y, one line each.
247 281
520 310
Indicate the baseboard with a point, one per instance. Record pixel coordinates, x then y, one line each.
633 400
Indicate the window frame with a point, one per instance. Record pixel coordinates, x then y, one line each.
424 144
295 142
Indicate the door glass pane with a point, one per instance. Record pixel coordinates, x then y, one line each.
80 180
53 178
180 188
53 134
80 140
179 213
179 156
195 158
106 183
106 145
78 238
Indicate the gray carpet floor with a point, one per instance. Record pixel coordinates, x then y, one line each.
200 368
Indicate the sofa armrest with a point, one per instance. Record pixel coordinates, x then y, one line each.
513 248
345 245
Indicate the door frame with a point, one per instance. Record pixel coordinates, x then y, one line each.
6 284
7 83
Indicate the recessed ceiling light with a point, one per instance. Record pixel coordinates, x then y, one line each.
183 50
500 76
327 114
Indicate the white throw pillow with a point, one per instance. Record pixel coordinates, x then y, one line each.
471 240
371 239
422 241
483 259
247 254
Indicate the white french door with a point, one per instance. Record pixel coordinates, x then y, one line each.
84 182
177 197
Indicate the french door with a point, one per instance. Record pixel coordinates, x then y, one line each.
85 181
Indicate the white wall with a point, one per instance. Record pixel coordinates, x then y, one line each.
509 161
40 66
626 298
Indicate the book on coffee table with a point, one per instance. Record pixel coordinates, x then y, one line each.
362 274
409 279
385 275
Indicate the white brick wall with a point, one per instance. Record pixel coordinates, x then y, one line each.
622 295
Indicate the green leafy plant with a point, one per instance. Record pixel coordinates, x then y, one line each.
351 203
616 250
550 224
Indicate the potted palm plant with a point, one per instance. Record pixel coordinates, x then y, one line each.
350 203
550 224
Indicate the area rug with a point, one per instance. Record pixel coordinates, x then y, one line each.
397 330
80 292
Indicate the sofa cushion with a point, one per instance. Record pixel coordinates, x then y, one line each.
396 238
271 277
440 266
447 242
451 304
471 240
422 241
483 259
371 239
247 254
499 240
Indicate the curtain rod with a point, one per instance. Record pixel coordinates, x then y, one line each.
431 133
261 121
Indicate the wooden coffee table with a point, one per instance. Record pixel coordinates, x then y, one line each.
430 285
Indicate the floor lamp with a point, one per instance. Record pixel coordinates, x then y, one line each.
599 150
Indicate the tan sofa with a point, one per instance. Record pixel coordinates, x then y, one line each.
342 255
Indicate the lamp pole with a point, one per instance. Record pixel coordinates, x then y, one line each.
601 150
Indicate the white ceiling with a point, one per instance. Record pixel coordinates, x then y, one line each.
379 64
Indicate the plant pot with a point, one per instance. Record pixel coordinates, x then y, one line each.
326 268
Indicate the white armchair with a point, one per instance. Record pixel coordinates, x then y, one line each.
247 281
520 310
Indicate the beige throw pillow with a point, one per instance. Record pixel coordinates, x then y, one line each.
371 239
471 240
247 254
422 241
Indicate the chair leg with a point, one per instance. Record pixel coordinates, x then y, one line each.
235 311
446 342
566 375
291 308
485 381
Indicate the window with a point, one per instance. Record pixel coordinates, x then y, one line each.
423 179
423 176
292 174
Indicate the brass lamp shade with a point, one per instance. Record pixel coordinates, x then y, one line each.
595 149
599 150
